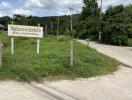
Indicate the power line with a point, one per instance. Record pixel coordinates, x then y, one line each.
67 6
71 9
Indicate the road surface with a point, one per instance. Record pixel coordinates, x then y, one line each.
122 54
110 87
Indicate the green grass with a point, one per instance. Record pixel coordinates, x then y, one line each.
53 61
130 42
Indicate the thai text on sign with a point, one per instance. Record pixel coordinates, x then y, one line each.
25 31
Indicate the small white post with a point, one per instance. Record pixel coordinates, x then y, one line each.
38 46
38 43
12 44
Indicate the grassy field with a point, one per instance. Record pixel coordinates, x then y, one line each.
53 61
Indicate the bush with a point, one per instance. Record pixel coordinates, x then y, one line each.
63 38
115 34
88 28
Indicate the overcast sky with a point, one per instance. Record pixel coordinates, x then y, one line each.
48 7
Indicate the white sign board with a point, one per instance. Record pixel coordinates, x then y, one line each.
25 31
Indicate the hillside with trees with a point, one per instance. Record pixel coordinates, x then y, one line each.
49 23
115 23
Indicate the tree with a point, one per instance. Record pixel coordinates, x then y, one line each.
90 8
88 25
128 19
115 23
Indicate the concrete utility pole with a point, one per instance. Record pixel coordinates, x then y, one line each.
71 54
100 20
72 41
45 28
58 25
51 26
71 10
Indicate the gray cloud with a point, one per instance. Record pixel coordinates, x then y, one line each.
54 7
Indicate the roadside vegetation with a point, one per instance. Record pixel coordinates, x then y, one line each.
53 61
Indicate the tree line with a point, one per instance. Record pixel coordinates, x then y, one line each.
115 24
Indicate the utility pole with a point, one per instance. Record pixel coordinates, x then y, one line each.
100 20
71 10
58 25
38 43
45 28
72 41
51 27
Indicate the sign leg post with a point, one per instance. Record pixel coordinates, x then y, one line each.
12 45
38 46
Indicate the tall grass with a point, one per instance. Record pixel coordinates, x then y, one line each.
53 60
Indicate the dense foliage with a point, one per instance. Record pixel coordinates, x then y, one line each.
117 25
49 23
88 25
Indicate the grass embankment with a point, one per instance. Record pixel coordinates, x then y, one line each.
53 61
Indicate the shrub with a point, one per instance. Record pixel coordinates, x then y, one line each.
63 38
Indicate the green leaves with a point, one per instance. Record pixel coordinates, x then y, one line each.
90 8
116 25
